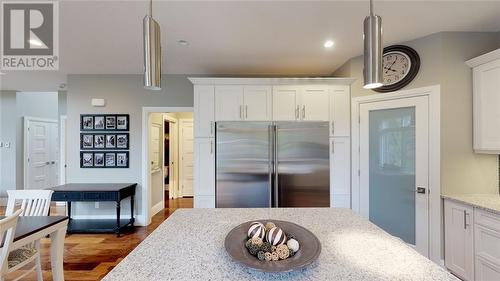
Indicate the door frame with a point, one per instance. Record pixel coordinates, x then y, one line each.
173 181
62 149
145 218
435 209
26 150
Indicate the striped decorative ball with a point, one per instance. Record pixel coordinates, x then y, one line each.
276 236
256 229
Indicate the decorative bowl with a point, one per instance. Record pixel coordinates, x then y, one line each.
309 251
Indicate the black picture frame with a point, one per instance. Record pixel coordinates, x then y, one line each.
99 159
105 141
88 122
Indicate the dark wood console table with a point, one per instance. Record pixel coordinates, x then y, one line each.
97 192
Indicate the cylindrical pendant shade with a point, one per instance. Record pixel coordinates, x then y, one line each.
373 52
152 54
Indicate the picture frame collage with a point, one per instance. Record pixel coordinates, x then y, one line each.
104 140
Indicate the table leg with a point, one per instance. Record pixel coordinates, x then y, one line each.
118 218
69 209
132 210
57 253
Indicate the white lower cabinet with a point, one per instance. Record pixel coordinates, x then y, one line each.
204 171
340 172
459 240
472 242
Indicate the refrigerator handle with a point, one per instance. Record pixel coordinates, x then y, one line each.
270 162
275 161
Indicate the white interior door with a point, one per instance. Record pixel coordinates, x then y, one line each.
41 149
394 173
186 159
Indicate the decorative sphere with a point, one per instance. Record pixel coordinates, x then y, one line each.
276 236
256 229
293 245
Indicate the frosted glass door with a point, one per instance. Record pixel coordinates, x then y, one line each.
392 171
394 168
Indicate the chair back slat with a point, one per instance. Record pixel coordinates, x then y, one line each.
32 202
7 232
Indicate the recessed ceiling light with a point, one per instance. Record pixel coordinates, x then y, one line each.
328 44
183 42
35 42
2 73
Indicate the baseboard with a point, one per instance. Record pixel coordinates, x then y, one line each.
157 208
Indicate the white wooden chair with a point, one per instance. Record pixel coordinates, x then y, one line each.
31 203
7 232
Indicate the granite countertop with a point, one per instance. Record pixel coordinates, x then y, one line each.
488 202
190 246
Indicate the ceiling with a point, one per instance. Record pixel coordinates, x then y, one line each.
249 37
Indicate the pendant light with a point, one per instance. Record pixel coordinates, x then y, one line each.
152 51
372 50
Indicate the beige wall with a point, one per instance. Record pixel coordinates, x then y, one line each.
442 63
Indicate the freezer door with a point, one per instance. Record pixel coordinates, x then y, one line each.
243 166
303 166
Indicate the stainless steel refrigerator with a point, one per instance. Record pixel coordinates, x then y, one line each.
272 164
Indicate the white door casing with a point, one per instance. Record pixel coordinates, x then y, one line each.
41 153
186 145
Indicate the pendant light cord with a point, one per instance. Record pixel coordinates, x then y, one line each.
371 7
151 8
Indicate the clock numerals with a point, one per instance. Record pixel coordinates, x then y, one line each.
395 67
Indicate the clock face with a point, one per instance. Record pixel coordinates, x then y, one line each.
396 67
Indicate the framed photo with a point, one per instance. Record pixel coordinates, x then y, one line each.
98 122
99 141
110 141
110 159
122 141
87 122
122 159
110 122
86 159
86 141
99 159
122 122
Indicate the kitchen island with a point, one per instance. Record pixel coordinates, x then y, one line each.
189 245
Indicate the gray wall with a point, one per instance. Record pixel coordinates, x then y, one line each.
442 63
123 94
7 134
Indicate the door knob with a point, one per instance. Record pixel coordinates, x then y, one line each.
421 190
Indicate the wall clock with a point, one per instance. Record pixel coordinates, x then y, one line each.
400 66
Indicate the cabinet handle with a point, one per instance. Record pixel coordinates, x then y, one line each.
333 147
465 220
211 147
246 111
303 112
241 112
297 112
333 128
211 127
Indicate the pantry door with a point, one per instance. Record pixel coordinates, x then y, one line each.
394 168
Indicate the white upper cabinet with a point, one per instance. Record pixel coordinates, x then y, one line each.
486 102
204 120
314 103
285 103
340 111
257 103
229 103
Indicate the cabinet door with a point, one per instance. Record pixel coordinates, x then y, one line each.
340 178
228 103
204 167
257 103
487 245
486 101
285 103
204 122
459 251
314 103
340 111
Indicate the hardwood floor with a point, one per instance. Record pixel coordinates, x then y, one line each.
92 256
